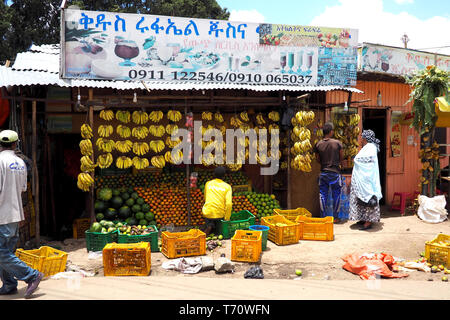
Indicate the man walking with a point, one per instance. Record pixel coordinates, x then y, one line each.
13 181
329 153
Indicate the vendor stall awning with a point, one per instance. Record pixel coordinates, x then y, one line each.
40 66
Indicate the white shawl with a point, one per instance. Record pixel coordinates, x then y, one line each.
365 174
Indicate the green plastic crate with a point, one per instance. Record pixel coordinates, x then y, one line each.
152 237
241 220
96 241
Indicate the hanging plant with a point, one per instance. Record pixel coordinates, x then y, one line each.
427 85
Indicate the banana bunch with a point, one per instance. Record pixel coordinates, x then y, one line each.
304 118
244 116
86 131
105 130
260 119
354 119
275 156
302 163
235 166
157 146
302 133
236 122
123 116
86 147
123 131
158 161
139 117
105 160
173 157
350 151
156 116
171 129
85 181
140 148
206 115
140 163
172 143
273 126
319 133
262 159
274 116
87 165
140 132
174 115
107 115
123 162
208 160
157 131
223 130
124 146
283 165
302 147
105 145
218 117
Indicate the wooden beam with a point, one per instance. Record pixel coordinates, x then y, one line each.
35 174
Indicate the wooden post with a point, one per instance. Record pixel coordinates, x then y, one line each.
288 188
91 196
35 174
188 175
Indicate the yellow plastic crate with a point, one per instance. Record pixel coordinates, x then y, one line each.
127 259
282 231
437 251
47 260
183 244
80 226
293 214
315 228
246 246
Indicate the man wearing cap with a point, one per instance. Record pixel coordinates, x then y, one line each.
13 181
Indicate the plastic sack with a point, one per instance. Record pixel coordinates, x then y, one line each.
254 273
368 266
432 210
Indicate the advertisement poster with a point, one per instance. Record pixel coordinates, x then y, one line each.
399 61
396 133
135 47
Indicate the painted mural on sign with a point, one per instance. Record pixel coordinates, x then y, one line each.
120 46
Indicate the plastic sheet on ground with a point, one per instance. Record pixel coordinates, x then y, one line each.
432 210
184 265
368 266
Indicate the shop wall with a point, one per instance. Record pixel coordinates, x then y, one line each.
402 173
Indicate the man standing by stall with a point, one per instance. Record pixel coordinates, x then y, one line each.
13 181
329 153
218 201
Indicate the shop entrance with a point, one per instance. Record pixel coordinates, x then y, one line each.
375 119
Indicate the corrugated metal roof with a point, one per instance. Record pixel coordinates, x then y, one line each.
40 66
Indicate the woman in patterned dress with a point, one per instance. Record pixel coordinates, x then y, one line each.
365 189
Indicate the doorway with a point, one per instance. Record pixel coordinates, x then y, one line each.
375 119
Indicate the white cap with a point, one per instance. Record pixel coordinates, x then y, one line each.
8 136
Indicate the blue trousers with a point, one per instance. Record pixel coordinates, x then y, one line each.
327 180
11 267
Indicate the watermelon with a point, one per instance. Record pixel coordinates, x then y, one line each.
129 202
99 206
139 215
140 201
116 192
143 222
136 208
105 194
149 216
145 208
110 214
134 195
124 212
125 195
131 221
116 202
99 216
96 227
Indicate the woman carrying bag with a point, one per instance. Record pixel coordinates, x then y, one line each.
365 190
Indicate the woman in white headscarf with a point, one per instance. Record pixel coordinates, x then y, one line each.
365 190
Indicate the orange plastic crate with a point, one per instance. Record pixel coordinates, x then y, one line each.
183 244
127 259
80 226
47 260
282 231
437 251
315 228
293 214
246 246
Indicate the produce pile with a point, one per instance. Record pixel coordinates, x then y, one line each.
346 129
259 204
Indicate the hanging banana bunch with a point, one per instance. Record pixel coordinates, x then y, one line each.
158 161
123 162
172 143
304 118
105 130
274 116
86 131
139 117
105 160
123 116
218 117
140 132
244 116
173 157
140 148
156 116
206 115
107 115
124 146
86 147
174 115
85 181
157 131
123 131
87 165
260 119
140 163
171 129
105 145
157 146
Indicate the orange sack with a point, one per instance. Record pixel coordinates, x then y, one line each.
368 266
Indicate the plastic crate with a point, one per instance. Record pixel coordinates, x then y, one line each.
293 214
152 237
96 241
127 259
246 246
241 220
46 259
80 226
315 228
281 235
183 244
437 251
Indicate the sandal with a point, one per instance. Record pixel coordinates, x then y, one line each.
366 227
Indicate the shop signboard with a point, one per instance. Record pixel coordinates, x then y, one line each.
137 47
399 61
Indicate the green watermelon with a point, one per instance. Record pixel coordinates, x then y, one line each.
110 214
96 227
99 206
125 195
116 192
140 201
149 216
143 222
139 215
116 202
134 195
145 208
124 212
99 216
129 202
136 208
131 221
105 194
